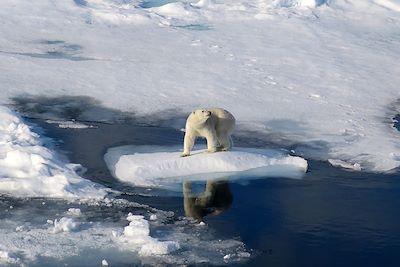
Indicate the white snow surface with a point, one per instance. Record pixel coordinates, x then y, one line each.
263 60
155 166
29 169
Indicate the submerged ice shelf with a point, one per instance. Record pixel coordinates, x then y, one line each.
157 165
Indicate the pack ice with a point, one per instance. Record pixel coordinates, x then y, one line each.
157 165
29 169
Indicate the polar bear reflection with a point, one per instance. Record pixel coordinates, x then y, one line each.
216 198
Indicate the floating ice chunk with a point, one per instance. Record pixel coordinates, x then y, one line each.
74 212
64 225
137 236
152 165
20 228
104 263
344 164
70 124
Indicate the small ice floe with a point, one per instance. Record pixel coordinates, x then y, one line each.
236 256
74 212
137 237
344 164
104 263
70 124
20 228
64 225
158 166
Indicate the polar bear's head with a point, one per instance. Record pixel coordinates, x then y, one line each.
201 115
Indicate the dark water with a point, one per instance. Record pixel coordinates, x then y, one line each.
331 217
396 122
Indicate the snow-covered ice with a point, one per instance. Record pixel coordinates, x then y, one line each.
141 241
137 236
319 75
28 168
153 165
345 165
64 225
261 60
74 212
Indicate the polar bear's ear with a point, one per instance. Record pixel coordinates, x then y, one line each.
193 112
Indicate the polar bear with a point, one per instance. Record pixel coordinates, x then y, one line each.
214 124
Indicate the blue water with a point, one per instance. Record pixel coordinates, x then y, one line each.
331 217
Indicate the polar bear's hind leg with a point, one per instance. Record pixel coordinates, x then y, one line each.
224 141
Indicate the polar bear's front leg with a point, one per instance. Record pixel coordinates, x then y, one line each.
212 141
188 143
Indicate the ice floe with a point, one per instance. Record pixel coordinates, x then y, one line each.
157 166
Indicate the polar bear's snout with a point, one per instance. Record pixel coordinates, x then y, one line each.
206 113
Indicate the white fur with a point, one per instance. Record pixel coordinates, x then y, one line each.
214 124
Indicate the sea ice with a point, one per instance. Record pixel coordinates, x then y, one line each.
137 236
261 60
64 225
6 258
74 212
28 168
153 165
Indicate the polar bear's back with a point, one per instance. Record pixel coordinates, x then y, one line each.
222 113
224 122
